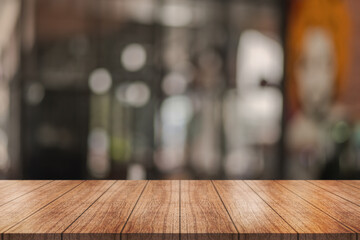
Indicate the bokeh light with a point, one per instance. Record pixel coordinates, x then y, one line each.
133 57
136 94
100 81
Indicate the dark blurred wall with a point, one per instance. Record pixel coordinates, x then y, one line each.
151 89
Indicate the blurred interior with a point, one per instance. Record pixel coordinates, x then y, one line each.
179 89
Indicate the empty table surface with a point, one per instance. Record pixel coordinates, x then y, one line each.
180 209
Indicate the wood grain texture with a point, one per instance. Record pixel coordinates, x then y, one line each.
335 206
49 222
22 207
11 191
253 218
307 220
203 215
243 210
156 215
107 216
354 183
5 183
343 190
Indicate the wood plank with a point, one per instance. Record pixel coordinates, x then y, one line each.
335 206
12 191
248 210
354 183
52 220
307 220
203 215
341 189
107 216
5 183
22 207
254 218
156 215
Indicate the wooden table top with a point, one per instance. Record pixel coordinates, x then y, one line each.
240 210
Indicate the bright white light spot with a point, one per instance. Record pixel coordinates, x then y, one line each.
259 109
35 93
174 83
136 94
176 110
259 57
176 15
133 58
100 81
136 172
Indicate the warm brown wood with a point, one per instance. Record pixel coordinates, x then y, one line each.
354 183
307 220
242 210
11 191
22 207
253 218
335 206
107 216
156 215
49 222
5 183
203 215
343 190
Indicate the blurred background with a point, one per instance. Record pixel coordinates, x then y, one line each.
179 89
